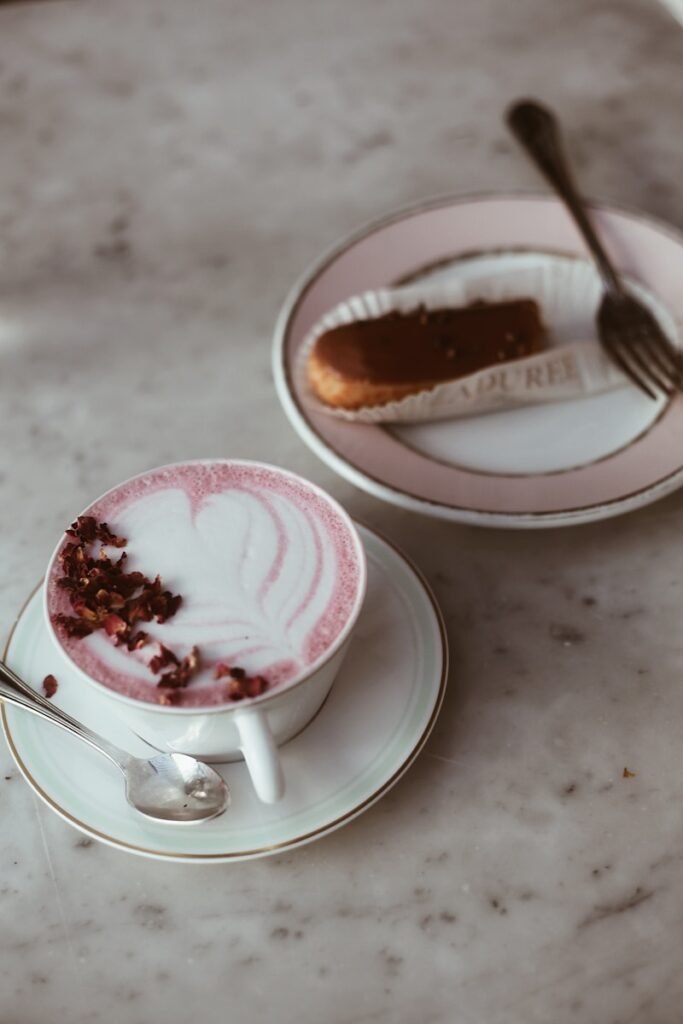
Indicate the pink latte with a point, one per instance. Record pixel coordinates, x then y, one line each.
270 571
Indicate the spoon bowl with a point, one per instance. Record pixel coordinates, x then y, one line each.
175 788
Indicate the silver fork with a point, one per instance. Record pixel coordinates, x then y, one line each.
628 331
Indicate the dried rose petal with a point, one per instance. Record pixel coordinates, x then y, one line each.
243 686
50 686
137 640
193 660
105 535
164 605
83 609
163 658
114 625
221 670
109 599
256 685
180 676
88 530
73 559
235 690
170 696
138 610
67 583
73 626
84 528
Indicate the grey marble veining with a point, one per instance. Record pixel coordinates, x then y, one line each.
167 171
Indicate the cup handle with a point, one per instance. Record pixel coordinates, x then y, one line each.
261 755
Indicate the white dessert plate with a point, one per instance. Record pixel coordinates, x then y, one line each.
377 718
550 465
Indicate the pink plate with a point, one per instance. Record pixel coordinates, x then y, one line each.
551 466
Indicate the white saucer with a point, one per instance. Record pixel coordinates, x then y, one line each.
377 718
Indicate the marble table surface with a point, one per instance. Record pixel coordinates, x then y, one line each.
168 169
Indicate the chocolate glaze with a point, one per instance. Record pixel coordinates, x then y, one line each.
432 345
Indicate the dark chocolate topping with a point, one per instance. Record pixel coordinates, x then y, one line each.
432 345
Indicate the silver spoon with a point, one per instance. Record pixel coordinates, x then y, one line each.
167 787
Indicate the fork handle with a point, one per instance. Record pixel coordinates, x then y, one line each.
537 130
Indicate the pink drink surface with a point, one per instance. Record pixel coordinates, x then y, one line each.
268 570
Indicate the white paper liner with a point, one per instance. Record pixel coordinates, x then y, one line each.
567 292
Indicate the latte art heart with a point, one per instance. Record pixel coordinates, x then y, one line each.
267 569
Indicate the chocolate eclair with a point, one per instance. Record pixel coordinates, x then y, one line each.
372 362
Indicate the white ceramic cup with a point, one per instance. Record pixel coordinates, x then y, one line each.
250 729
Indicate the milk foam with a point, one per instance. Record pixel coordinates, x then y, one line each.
267 569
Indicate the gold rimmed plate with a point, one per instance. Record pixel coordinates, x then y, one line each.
549 465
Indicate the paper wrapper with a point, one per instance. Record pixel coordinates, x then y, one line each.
567 292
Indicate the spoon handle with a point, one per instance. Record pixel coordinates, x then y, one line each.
14 690
537 130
